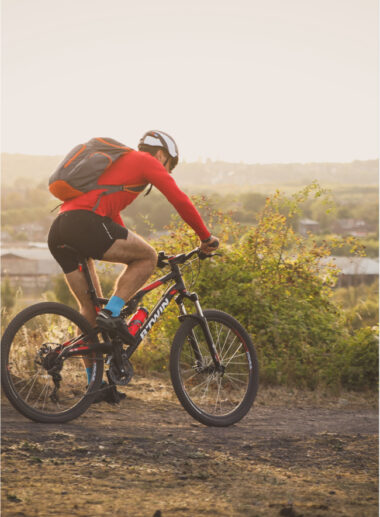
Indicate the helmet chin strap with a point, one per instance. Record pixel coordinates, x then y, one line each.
166 161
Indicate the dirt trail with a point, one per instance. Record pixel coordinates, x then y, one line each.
288 457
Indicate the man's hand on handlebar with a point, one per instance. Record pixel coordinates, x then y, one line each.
209 245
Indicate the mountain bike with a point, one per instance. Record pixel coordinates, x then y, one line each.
213 362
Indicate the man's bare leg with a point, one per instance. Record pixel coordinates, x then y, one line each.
79 288
140 258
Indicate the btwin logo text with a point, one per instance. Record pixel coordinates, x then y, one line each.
154 318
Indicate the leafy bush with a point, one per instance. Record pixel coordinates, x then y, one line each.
356 360
270 279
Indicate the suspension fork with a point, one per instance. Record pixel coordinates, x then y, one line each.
192 338
206 330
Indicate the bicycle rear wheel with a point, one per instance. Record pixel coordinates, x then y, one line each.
215 398
38 384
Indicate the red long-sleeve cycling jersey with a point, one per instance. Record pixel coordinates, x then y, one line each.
136 169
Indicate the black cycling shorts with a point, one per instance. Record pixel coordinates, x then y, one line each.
89 233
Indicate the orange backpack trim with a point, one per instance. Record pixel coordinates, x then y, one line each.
113 145
75 156
63 191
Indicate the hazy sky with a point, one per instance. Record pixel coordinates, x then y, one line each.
236 80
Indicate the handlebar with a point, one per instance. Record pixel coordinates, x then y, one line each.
165 260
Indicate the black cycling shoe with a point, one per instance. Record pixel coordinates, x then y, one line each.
116 324
108 393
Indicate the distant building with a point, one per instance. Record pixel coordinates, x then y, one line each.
308 225
354 227
29 268
354 270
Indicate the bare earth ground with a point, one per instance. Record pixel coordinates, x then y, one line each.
294 455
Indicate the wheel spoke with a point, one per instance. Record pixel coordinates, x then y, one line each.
234 355
197 386
225 341
233 380
217 395
30 390
192 377
229 348
44 389
32 380
217 340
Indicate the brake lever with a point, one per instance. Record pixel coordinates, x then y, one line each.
161 260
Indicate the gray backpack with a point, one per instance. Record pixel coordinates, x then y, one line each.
81 169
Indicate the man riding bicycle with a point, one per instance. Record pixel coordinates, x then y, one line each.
91 224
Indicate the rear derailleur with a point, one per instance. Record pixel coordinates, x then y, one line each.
50 360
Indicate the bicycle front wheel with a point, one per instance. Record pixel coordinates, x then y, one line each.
214 397
37 383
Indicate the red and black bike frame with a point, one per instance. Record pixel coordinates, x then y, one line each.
178 289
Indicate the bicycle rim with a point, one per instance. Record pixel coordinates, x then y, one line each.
37 384
217 397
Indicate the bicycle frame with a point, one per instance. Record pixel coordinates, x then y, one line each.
178 288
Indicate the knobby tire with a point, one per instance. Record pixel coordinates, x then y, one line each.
27 384
208 396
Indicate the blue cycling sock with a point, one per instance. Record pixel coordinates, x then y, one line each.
115 305
89 373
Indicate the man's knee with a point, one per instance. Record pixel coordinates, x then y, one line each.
152 257
133 249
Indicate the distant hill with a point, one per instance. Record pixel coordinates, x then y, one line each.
240 174
36 169
33 168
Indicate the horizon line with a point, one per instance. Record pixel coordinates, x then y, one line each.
205 160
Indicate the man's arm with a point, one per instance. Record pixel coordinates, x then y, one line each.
155 173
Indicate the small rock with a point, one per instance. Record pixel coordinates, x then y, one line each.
13 498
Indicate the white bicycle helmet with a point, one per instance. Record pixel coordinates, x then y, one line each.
161 140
